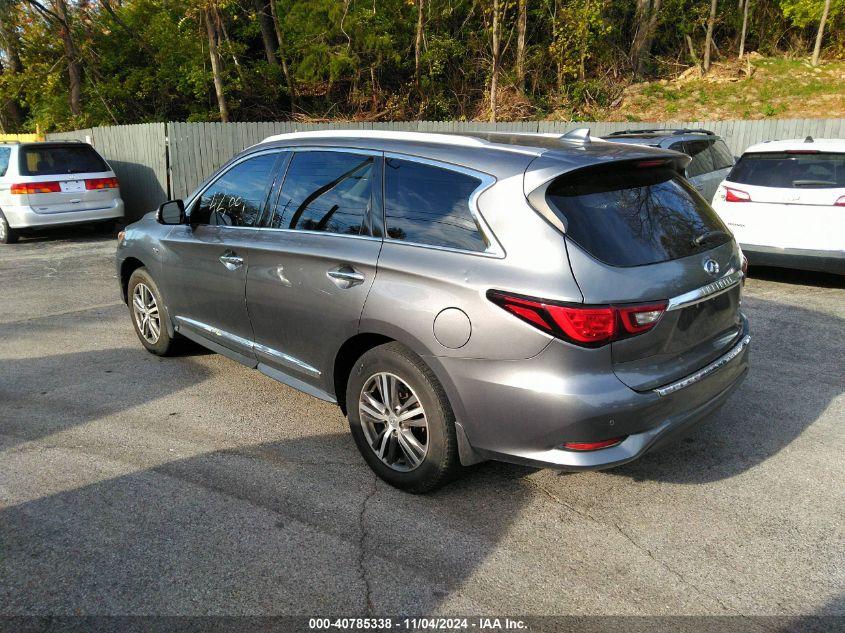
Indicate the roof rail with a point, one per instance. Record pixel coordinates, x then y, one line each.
682 130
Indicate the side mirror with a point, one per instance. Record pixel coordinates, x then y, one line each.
171 212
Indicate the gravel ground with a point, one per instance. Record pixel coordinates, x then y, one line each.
131 484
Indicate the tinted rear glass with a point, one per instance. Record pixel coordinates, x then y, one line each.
782 169
632 217
702 157
722 157
45 160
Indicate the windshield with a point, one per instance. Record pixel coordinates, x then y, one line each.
790 169
632 217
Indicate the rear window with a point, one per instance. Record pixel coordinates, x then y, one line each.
722 157
785 169
633 217
46 160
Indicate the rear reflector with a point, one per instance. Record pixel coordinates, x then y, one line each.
592 446
101 183
644 164
736 195
587 326
22 188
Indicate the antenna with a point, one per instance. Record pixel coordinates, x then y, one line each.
809 139
580 135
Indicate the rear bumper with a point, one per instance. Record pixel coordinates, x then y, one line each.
23 216
523 411
800 258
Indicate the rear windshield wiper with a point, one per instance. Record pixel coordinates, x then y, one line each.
813 183
710 235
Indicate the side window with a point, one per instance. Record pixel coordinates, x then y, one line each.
702 161
237 197
5 153
722 157
678 147
325 191
430 205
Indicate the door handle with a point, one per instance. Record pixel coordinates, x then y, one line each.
231 261
345 276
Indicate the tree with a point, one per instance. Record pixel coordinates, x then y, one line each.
744 5
265 23
646 16
216 65
418 42
708 40
494 79
521 28
818 47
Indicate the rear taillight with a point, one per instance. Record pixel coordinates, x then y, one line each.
592 446
840 202
101 183
588 326
744 268
736 195
22 188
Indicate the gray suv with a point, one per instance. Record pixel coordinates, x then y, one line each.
554 301
711 159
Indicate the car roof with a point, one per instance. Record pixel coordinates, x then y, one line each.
808 143
498 153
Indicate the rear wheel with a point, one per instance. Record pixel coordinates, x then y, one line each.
108 227
7 234
149 316
401 420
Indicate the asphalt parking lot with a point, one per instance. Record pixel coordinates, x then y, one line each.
131 484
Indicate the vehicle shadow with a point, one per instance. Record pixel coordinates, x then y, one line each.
796 372
798 277
45 395
79 234
296 526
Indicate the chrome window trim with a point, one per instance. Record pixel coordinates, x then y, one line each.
713 289
494 248
702 373
219 174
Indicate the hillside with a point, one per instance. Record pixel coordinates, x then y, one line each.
755 89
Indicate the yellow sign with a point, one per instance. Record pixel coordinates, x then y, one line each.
23 138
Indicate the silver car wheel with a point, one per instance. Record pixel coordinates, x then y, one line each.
393 421
145 310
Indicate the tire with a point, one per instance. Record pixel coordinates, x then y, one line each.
142 284
7 234
413 379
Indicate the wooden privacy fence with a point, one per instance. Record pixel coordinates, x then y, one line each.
158 161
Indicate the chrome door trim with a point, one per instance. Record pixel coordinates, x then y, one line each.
267 352
216 333
285 359
702 373
494 247
713 289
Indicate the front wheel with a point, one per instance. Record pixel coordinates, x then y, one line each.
401 419
149 315
7 234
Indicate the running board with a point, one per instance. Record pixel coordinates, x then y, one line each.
296 383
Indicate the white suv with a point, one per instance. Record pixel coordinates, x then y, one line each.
49 184
785 203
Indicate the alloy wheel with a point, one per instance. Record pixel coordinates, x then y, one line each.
393 421
145 310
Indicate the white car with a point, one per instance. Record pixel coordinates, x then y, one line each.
785 203
52 184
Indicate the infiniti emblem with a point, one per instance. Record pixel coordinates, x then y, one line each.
711 266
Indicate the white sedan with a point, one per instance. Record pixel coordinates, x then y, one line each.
785 203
